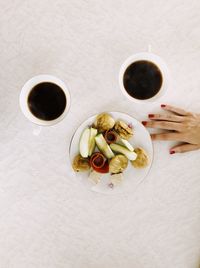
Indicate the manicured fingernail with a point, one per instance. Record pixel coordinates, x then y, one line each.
144 123
163 105
172 152
151 115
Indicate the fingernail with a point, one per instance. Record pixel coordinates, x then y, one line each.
163 105
151 115
172 152
144 123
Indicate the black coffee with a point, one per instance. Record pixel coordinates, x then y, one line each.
47 101
142 80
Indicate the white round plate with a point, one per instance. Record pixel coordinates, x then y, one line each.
132 176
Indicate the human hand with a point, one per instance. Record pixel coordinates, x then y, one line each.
181 126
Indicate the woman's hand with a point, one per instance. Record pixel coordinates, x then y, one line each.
181 126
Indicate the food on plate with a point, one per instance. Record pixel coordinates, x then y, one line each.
87 142
110 136
123 150
103 146
94 176
127 145
142 159
93 133
84 143
124 130
97 160
118 164
103 169
80 163
104 122
116 179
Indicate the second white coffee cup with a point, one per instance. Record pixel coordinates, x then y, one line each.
150 57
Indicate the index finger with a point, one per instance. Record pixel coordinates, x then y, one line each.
175 110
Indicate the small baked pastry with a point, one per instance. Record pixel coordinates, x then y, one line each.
124 131
104 122
118 164
80 163
142 159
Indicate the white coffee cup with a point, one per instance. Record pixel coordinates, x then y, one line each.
158 61
29 85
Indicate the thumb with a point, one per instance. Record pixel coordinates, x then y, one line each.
184 148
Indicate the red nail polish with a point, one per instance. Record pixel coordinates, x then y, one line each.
172 152
151 115
144 123
163 105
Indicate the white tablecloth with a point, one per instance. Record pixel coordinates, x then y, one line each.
47 218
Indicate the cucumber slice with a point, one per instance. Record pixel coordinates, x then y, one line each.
123 150
93 133
103 146
84 143
127 145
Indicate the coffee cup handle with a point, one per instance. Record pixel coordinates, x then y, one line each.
37 130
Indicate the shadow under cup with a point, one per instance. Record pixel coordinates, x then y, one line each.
144 77
45 100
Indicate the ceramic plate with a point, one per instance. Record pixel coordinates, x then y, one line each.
132 176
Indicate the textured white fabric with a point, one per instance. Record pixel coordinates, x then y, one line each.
47 218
